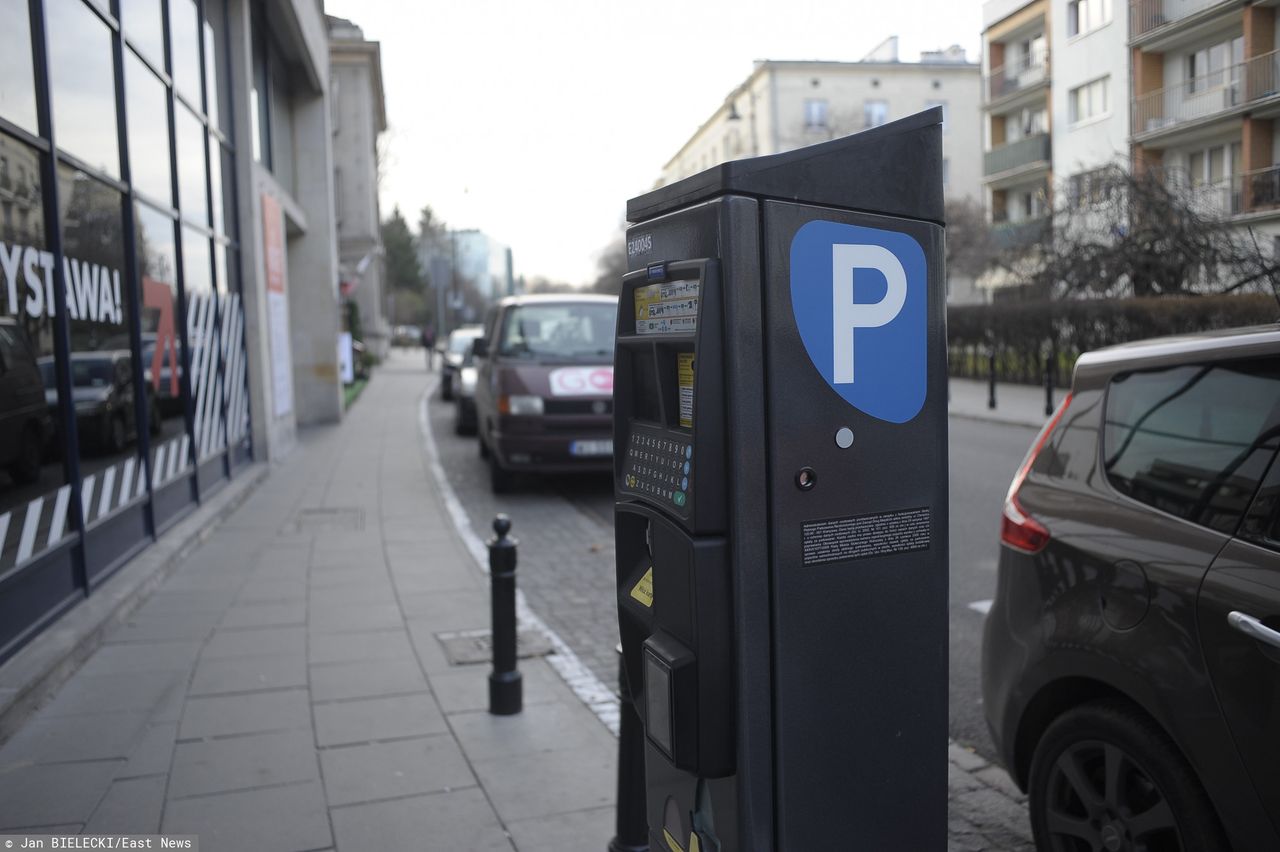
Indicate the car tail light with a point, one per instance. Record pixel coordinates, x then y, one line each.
1017 528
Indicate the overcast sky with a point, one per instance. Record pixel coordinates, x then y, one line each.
536 120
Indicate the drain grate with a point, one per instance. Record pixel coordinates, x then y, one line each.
326 518
467 647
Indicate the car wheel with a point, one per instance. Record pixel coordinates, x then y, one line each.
26 467
116 434
484 448
154 423
499 477
1105 777
446 387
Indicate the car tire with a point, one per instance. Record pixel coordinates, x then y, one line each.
26 467
446 387
1156 802
154 423
484 448
500 479
116 434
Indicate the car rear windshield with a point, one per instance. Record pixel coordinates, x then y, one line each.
460 340
1194 440
559 331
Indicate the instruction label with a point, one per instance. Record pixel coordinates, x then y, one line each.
684 373
670 308
643 590
880 534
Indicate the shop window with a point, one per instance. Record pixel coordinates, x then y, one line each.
83 81
143 23
184 41
162 354
193 197
34 494
236 377
109 424
216 197
148 124
17 81
215 47
202 343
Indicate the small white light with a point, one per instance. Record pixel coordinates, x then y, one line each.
844 438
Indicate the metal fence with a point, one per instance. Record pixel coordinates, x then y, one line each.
1030 69
1147 15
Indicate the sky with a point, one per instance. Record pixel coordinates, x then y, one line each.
536 120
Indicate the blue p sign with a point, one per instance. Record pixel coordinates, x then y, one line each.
859 296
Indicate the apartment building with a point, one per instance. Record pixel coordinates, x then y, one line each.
784 105
1204 103
1088 113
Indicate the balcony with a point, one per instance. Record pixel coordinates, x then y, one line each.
1212 94
1016 155
1031 70
1008 235
1146 16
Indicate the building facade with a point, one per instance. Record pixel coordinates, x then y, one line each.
784 105
168 272
359 118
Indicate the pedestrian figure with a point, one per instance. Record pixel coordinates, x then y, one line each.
429 343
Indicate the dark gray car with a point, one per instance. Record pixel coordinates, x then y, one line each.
1131 660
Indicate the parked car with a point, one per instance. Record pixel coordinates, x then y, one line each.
464 414
25 424
544 388
102 392
1131 658
453 350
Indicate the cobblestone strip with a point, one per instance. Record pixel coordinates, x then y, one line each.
985 809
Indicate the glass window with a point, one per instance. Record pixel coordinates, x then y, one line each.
100 308
17 81
259 94
83 80
1089 101
216 65
1262 524
236 384
815 113
875 113
34 495
202 342
161 343
211 76
1193 441
569 330
215 184
193 197
148 124
143 22
184 41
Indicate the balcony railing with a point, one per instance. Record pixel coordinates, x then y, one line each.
1209 94
1024 152
1031 69
1013 235
1260 190
1147 15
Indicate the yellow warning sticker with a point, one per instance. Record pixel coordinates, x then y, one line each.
694 844
672 843
643 591
684 372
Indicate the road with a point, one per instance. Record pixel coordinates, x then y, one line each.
565 526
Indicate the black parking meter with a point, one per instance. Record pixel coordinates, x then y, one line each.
781 481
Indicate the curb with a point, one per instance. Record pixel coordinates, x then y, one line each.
30 677
991 418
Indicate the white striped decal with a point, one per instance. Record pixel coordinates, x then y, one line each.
86 494
142 481
237 418
184 456
205 373
58 529
108 489
4 530
29 526
126 482
158 467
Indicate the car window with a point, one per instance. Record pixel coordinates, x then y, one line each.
1262 524
559 330
1195 440
460 340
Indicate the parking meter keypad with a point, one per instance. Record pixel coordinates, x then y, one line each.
659 467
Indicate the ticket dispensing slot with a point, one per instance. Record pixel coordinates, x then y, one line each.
669 422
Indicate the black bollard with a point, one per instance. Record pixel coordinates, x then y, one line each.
991 378
506 691
1048 385
630 821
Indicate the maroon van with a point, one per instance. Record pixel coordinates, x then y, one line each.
544 393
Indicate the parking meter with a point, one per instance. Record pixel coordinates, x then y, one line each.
781 498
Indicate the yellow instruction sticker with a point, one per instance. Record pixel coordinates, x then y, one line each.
684 372
670 308
643 591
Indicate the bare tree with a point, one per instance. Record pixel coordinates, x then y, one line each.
971 248
611 265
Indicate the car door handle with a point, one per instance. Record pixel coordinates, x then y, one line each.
1254 628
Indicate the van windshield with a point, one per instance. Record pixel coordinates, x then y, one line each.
560 331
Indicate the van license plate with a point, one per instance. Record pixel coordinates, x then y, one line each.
591 448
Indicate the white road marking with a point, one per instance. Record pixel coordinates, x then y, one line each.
981 606
589 688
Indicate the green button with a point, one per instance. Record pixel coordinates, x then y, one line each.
679 498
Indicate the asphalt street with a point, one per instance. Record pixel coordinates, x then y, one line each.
565 525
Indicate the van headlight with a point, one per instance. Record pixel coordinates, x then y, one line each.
520 404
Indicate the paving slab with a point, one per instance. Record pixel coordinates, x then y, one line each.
461 821
248 674
241 763
259 712
375 719
276 819
374 771
366 679
130 806
546 783
579 831
52 794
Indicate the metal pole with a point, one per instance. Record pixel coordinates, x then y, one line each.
991 378
631 822
506 690
1048 384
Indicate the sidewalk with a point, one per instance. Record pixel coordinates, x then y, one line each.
1017 405
285 688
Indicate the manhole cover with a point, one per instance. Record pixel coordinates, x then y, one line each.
342 518
466 647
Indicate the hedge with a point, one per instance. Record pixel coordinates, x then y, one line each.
1024 333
